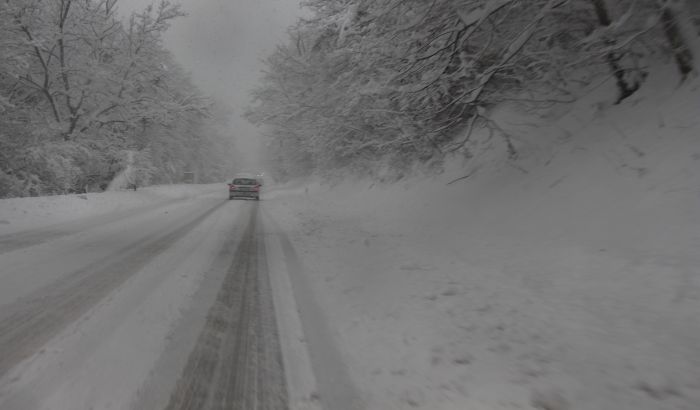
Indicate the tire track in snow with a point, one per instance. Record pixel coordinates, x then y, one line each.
30 322
25 239
236 362
336 389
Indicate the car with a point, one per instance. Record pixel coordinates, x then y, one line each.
244 187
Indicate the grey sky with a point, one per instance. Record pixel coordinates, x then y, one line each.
221 42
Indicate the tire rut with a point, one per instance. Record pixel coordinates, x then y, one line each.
31 321
236 362
24 239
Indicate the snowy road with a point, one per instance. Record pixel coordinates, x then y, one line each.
236 363
166 306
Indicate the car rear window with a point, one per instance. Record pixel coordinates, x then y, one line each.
245 181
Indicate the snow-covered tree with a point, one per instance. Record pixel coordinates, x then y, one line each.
362 84
682 35
78 86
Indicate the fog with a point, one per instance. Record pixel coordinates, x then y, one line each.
467 204
222 42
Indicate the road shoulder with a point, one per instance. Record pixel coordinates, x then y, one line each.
301 382
334 386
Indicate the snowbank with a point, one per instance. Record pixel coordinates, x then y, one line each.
567 280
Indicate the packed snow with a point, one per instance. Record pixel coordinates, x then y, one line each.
569 279
566 279
20 214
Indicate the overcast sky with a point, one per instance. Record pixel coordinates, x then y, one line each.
221 42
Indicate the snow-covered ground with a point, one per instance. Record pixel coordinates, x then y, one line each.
116 288
569 279
19 214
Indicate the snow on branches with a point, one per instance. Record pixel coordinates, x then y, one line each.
365 83
75 77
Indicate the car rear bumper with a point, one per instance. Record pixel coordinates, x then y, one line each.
243 194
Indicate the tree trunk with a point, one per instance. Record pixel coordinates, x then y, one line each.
679 46
688 29
613 58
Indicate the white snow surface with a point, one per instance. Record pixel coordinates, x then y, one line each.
20 214
101 360
568 279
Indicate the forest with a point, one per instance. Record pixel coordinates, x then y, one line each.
360 86
366 86
86 94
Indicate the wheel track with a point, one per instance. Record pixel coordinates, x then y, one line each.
236 362
23 239
31 321
271 368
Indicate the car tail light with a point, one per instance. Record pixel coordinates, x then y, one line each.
257 188
231 187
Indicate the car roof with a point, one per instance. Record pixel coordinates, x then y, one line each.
246 180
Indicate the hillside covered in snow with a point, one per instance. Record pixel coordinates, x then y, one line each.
569 279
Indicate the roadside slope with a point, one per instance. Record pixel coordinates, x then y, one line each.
566 279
